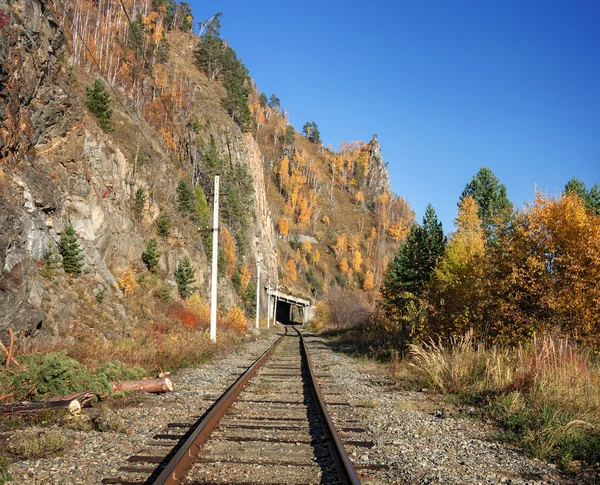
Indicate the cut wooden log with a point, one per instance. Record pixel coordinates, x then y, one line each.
145 385
74 401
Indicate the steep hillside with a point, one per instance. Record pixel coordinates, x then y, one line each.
59 168
114 123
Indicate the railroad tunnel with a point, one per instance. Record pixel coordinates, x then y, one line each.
289 309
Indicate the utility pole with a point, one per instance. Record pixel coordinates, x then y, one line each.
215 257
257 291
269 304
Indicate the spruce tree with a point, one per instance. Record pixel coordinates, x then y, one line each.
163 224
98 102
185 278
68 246
490 195
151 255
185 197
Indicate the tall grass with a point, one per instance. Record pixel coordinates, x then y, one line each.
546 393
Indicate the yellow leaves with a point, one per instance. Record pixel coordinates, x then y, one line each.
127 282
306 247
244 277
344 267
283 226
290 270
325 220
236 321
359 197
229 251
340 244
369 281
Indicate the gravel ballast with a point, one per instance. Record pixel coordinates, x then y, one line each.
414 439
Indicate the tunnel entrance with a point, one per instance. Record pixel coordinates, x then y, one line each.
288 309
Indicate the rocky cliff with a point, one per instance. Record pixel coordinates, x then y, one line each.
58 167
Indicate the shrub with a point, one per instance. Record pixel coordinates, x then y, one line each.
49 442
5 476
72 259
235 320
98 102
164 292
127 282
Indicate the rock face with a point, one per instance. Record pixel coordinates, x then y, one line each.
57 167
378 179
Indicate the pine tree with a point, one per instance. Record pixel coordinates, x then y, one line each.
151 255
163 224
490 195
98 102
68 246
590 199
185 278
185 197
140 202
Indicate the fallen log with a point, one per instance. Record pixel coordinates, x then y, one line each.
72 402
144 385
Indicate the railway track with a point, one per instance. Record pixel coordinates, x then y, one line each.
271 426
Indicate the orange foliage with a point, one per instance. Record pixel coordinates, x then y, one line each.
369 281
290 270
283 226
127 282
229 250
235 320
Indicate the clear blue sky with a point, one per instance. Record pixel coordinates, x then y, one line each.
448 86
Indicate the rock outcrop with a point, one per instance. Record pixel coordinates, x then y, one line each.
58 167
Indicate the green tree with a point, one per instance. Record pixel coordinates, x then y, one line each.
151 255
590 199
202 216
274 102
185 277
98 102
410 271
311 131
263 100
163 224
219 61
140 202
290 135
185 197
490 195
69 249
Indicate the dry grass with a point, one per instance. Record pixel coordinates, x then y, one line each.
154 351
546 394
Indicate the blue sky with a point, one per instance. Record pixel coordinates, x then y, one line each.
448 86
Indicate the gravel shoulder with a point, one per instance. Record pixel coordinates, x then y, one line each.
422 439
91 456
416 437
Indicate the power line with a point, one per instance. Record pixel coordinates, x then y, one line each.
104 76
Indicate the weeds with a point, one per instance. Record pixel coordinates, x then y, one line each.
545 395
45 443
4 473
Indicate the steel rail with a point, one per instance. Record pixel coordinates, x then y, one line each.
346 471
177 468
